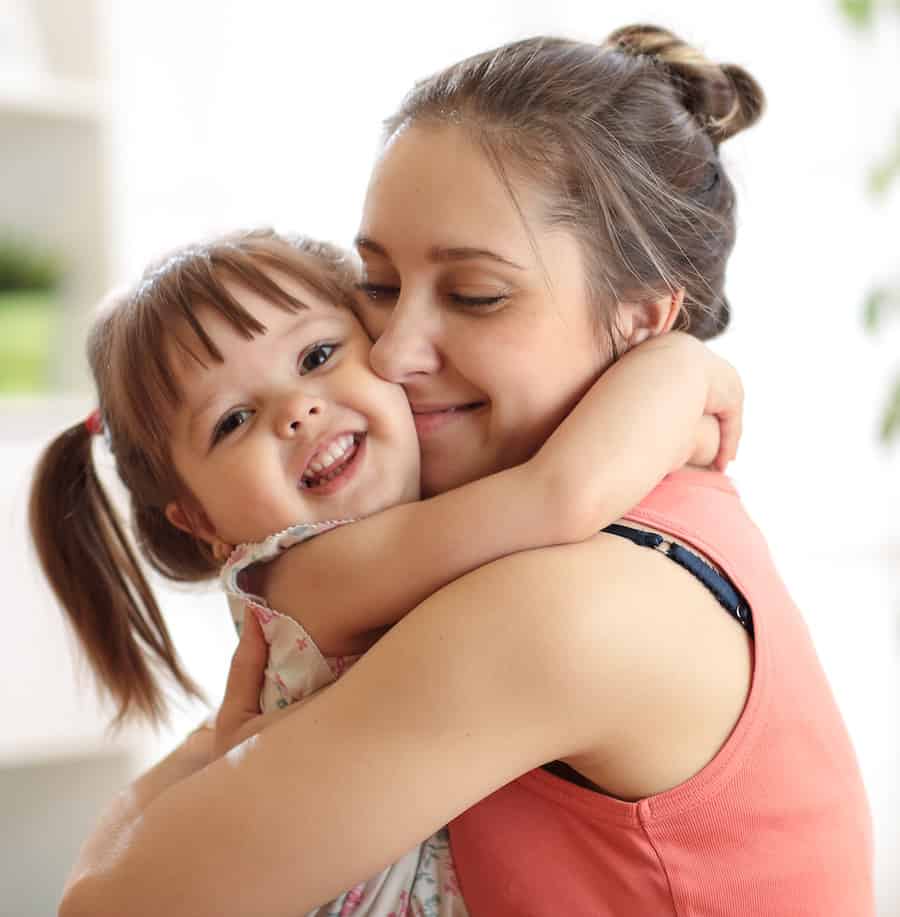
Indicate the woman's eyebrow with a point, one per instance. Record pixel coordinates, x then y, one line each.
465 253
440 254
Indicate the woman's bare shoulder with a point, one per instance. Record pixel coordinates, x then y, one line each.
605 619
594 577
547 609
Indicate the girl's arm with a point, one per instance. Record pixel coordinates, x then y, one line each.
643 418
126 809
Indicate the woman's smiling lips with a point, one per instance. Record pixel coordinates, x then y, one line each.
432 418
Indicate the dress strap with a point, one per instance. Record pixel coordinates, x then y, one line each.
253 552
728 597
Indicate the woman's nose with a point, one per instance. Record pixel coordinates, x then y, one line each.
408 344
296 414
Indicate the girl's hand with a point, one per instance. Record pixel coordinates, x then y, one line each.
668 401
192 755
725 402
239 717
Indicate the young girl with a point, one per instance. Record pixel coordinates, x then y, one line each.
236 396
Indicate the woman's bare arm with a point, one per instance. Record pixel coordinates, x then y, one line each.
442 711
119 817
642 419
538 656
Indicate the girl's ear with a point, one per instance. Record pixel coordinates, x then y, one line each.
641 321
195 523
198 525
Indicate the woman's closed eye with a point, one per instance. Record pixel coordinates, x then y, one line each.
378 292
475 302
385 293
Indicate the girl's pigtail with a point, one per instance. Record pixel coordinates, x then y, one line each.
93 570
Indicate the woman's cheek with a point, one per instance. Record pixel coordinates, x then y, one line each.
372 319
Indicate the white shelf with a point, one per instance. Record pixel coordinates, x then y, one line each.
49 97
54 141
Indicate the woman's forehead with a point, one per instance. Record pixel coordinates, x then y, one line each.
434 183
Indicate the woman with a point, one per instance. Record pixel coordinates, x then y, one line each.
574 197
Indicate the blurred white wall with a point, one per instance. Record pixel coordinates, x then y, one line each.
228 114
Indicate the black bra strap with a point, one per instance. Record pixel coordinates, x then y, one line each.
728 597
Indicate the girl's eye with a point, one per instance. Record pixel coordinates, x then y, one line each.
229 423
378 292
316 357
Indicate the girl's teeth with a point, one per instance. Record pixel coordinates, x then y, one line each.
335 452
338 449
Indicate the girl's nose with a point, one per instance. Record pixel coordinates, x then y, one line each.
296 414
408 345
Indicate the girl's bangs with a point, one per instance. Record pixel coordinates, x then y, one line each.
162 323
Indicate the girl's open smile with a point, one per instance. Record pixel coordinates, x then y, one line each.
334 466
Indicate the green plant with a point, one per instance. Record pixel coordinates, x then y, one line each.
26 265
29 277
884 298
863 12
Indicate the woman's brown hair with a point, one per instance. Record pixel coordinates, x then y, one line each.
623 141
84 550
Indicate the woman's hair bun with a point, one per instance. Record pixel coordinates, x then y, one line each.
724 98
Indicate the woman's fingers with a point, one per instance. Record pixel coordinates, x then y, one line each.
245 678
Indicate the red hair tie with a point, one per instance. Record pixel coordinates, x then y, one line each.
94 422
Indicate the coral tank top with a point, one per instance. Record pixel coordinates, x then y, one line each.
776 824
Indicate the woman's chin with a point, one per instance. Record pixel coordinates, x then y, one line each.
438 477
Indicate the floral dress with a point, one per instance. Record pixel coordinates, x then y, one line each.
421 884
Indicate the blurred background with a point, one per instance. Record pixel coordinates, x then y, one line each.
127 128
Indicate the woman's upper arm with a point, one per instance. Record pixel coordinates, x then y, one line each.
482 682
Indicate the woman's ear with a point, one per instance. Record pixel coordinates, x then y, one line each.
641 321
